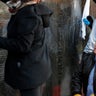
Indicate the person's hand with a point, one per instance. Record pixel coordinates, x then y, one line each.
77 95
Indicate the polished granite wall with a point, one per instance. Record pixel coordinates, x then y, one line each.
63 39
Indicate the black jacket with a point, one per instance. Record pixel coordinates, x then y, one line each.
80 76
28 62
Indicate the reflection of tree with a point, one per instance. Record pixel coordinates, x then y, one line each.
83 2
3 11
4 15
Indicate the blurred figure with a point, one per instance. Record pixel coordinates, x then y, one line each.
28 65
85 74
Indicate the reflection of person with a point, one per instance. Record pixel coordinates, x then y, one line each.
28 64
85 76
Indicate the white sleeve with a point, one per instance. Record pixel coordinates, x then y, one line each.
85 14
92 39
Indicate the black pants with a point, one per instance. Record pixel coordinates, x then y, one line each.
31 92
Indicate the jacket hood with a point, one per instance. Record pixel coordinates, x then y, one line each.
44 12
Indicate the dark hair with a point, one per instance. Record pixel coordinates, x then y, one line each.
94 1
90 19
22 0
26 0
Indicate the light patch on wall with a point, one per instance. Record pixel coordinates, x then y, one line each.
61 6
76 9
1 10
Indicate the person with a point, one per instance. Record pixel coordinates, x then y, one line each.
28 63
84 76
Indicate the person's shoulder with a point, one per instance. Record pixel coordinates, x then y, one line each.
26 10
42 9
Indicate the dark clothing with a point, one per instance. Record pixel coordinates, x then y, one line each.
28 63
80 77
31 92
4 1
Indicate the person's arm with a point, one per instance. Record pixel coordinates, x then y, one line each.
22 42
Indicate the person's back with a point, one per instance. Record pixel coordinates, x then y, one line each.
28 63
